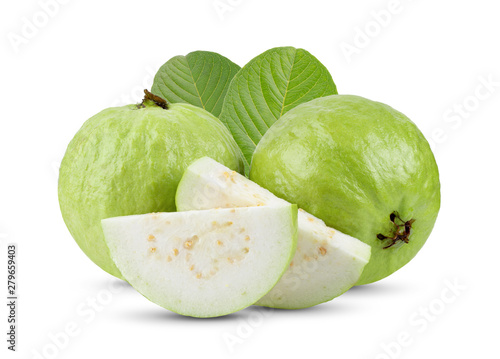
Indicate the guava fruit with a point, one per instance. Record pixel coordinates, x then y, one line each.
362 167
327 262
129 160
204 263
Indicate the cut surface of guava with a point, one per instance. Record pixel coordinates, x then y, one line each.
326 263
204 263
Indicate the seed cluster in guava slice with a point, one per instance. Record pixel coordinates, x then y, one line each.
327 262
204 263
129 160
362 167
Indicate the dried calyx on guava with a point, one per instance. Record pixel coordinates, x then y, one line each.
327 262
129 160
204 263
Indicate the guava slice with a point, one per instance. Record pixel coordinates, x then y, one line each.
204 263
327 262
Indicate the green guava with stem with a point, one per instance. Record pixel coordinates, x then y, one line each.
362 167
129 160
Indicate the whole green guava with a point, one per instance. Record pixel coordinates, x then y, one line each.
362 167
129 160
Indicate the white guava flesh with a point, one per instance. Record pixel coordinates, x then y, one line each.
326 263
204 263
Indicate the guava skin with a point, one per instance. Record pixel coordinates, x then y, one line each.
129 160
352 162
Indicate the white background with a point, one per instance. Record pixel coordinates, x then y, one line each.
428 60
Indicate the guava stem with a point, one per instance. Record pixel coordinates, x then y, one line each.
148 96
401 233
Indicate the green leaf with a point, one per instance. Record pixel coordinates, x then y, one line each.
266 88
200 78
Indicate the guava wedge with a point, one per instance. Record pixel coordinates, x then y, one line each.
204 263
362 167
327 262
